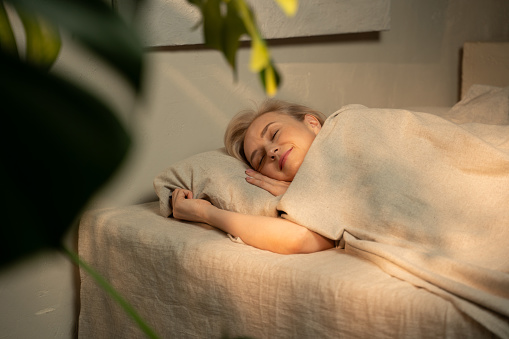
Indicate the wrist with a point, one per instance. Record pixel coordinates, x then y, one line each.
206 214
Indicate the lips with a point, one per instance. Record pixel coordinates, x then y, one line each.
282 160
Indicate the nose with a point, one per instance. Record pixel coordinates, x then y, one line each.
272 152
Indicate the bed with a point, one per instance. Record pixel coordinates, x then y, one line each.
189 280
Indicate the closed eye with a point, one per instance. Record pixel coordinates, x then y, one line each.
274 135
260 163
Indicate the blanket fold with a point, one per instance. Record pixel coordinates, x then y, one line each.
424 198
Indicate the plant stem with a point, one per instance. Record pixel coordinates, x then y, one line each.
112 292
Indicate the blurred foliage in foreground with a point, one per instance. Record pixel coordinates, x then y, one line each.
60 142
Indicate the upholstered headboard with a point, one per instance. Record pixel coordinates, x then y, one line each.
485 63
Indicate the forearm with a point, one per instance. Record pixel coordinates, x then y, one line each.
272 234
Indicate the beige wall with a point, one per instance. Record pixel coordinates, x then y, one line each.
190 96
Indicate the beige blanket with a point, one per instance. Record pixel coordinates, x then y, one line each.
424 198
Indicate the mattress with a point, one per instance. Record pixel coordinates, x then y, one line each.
189 280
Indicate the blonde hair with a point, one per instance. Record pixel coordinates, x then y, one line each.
236 131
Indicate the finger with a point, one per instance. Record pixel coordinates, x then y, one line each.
253 173
275 188
270 181
258 175
178 194
188 194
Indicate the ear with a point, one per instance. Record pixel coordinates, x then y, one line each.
312 122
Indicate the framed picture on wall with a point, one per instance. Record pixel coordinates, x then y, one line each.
171 22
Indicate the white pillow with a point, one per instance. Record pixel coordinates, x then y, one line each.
482 104
217 177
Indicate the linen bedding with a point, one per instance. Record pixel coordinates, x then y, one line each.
189 280
418 204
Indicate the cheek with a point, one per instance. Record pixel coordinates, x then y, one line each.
294 165
274 173
269 170
310 138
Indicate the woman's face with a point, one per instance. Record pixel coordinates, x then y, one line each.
276 144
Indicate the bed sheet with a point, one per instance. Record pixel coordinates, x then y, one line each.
190 281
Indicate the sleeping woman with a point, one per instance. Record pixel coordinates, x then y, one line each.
274 141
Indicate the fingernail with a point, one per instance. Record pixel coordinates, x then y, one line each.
249 170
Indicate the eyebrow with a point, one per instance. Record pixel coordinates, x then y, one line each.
262 134
264 130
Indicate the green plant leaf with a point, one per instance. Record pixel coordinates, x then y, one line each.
260 57
212 24
98 27
223 32
43 40
247 16
233 30
222 27
7 40
270 79
59 144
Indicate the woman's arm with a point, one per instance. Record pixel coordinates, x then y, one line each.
272 234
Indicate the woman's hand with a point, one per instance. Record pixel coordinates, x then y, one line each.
187 208
273 186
